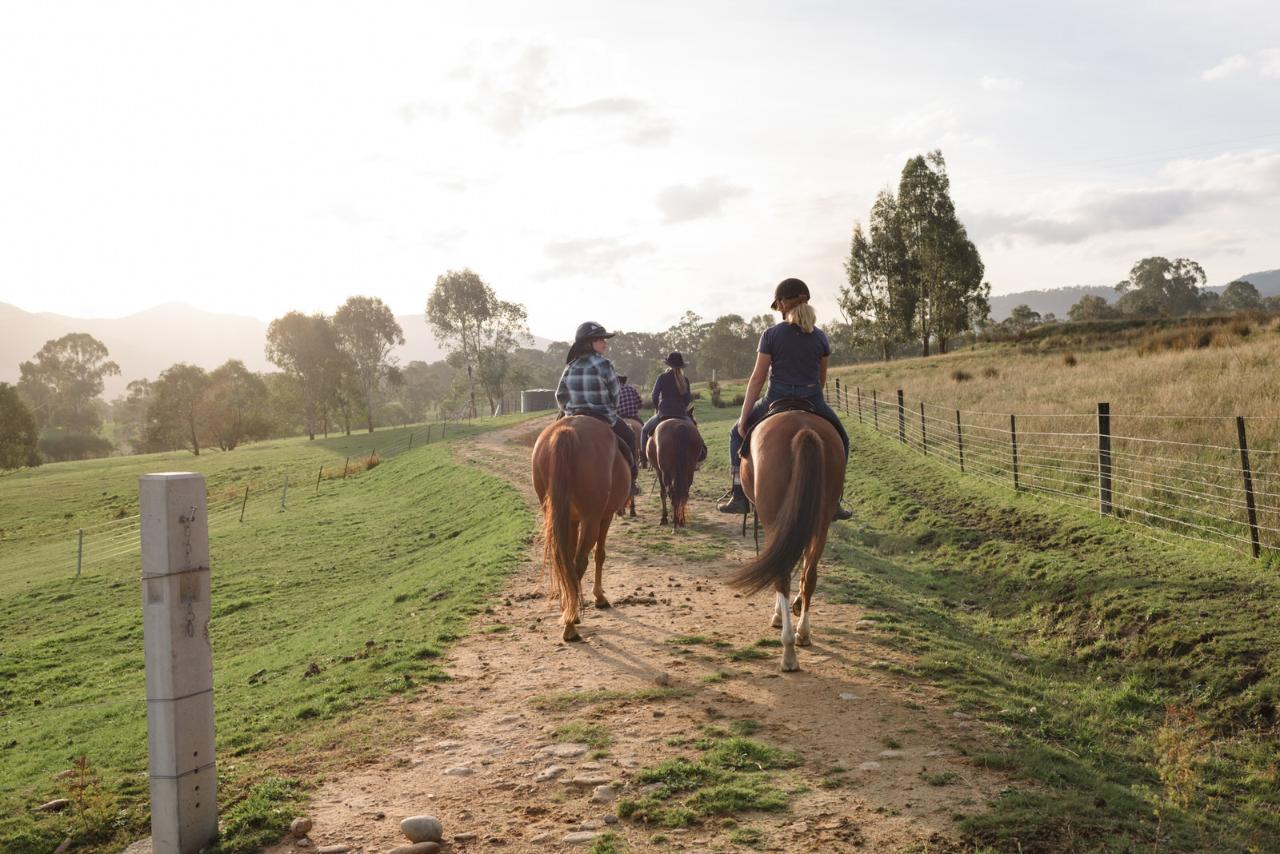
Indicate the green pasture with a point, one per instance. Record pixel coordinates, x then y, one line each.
369 579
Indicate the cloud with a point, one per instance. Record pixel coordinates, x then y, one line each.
1000 84
1266 62
1190 188
682 202
642 126
607 107
595 257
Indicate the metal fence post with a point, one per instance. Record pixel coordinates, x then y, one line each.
902 419
178 661
1248 487
1013 442
960 441
1104 459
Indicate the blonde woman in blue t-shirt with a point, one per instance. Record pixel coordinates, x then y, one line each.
792 357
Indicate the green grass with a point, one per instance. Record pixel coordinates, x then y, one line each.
608 843
1122 677
568 700
580 732
730 777
370 581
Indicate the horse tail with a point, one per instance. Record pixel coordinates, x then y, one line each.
559 552
799 518
681 476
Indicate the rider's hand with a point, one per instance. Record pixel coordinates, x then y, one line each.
738 427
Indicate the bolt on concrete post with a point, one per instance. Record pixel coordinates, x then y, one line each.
179 661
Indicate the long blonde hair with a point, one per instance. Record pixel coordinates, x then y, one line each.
802 314
682 382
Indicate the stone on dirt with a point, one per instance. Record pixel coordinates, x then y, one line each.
869 766
589 781
422 828
568 750
579 837
333 849
418 848
300 826
459 771
603 795
56 805
549 773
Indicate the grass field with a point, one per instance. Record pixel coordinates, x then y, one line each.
1130 685
369 579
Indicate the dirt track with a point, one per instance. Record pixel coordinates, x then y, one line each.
842 712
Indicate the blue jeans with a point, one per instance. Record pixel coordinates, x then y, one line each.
811 393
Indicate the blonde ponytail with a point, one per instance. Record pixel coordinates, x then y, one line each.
682 383
802 314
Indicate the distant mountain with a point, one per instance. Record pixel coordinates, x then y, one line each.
146 343
1059 300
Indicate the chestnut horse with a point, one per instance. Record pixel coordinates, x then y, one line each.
582 479
673 453
795 477
636 427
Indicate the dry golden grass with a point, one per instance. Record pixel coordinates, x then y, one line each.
1174 393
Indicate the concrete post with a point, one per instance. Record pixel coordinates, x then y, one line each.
179 661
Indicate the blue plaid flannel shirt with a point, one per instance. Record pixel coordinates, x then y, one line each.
589 383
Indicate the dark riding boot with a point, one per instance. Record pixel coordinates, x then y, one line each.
735 501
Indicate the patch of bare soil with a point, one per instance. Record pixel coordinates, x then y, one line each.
677 653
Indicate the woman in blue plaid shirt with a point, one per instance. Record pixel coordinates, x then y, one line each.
589 386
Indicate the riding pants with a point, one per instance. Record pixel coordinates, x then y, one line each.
811 393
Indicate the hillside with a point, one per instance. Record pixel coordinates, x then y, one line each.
1059 300
145 343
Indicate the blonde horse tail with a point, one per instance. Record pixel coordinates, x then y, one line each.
559 550
799 518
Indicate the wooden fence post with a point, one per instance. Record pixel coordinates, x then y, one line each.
79 552
924 439
960 441
902 419
318 476
178 661
410 448
1248 487
859 397
345 463
244 503
837 391
1013 442
875 410
1104 459
284 493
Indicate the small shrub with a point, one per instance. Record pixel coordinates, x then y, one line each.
990 372
961 376
1070 360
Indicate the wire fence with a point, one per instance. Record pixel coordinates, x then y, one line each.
85 549
1152 471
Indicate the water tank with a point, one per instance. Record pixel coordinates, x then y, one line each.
537 399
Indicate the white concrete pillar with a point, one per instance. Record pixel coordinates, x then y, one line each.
179 661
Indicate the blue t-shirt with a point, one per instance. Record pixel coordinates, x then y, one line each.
796 354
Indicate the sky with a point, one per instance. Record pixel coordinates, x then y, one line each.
621 162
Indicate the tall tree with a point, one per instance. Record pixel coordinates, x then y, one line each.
875 301
367 330
1022 318
964 299
18 436
728 346
130 414
1240 296
65 379
466 315
235 406
306 348
176 412
1158 287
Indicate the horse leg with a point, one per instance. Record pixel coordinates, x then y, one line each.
662 488
776 622
789 661
597 588
582 554
808 583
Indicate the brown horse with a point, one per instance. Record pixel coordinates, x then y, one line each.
636 431
582 479
795 477
673 452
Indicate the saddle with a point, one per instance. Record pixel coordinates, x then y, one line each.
787 404
627 450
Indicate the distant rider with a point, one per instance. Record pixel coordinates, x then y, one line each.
792 356
628 399
589 386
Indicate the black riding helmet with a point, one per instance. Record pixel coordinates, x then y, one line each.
789 289
591 330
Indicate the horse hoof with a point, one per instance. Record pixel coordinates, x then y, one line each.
777 622
796 606
790 666
571 634
603 603
804 641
